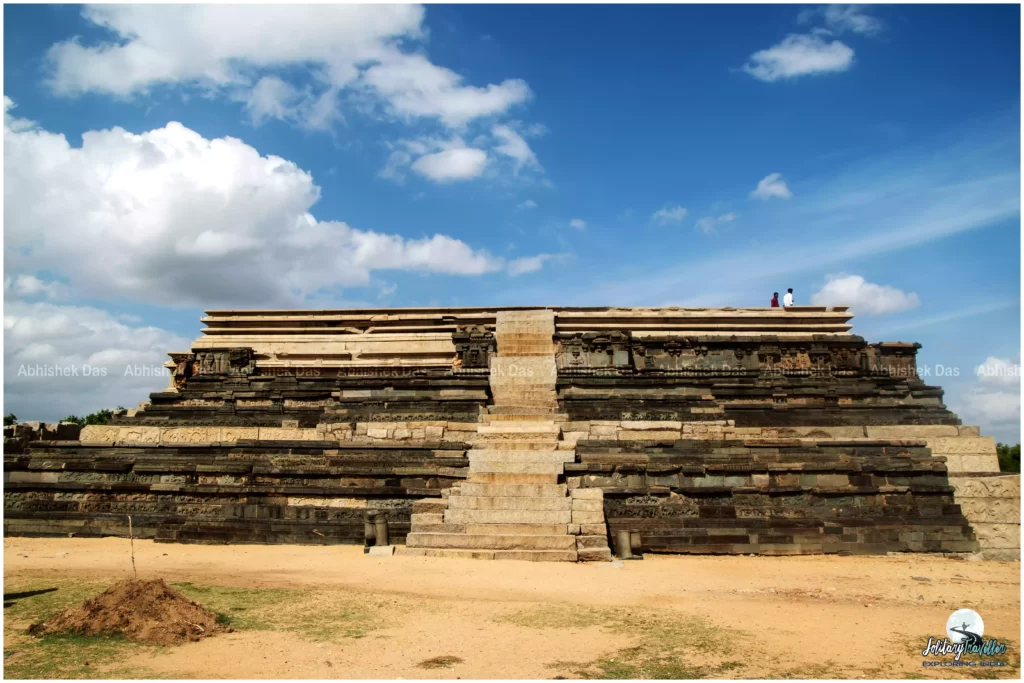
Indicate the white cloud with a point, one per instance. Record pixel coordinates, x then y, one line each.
29 286
115 363
799 55
170 217
772 186
998 372
863 297
669 214
528 204
241 51
578 223
528 264
387 291
842 18
993 401
414 87
449 165
709 224
515 147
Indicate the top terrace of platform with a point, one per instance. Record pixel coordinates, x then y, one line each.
729 321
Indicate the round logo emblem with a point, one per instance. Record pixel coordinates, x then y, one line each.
965 625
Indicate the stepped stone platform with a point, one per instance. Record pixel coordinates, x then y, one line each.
532 434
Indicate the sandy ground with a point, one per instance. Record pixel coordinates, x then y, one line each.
856 616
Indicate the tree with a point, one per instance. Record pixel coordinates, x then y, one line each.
100 417
1009 457
10 419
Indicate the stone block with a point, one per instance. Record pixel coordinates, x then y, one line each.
33 477
997 536
980 463
594 529
994 510
141 434
584 505
573 529
238 433
594 554
1004 486
962 445
912 431
189 435
381 550
491 541
969 430
465 516
1000 555
433 433
289 424
510 503
591 542
376 433
644 435
833 480
100 433
587 517
588 494
661 425
282 434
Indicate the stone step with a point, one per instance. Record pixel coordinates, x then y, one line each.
487 443
426 518
548 411
509 503
465 516
524 415
428 505
511 478
491 541
516 529
439 528
594 554
468 488
515 467
510 455
542 400
527 555
519 427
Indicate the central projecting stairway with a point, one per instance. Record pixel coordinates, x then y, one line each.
515 503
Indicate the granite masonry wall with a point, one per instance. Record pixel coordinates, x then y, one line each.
701 442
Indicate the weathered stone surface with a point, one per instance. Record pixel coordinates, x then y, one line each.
1003 486
717 431
1001 536
595 554
997 510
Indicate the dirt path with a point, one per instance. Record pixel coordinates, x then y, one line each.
805 616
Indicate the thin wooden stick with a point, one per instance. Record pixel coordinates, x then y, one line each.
131 539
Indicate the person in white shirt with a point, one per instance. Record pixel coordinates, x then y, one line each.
787 300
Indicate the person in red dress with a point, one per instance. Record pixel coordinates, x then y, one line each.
775 300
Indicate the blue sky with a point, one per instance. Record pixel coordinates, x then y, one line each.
464 155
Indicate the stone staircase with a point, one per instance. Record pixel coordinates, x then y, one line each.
512 505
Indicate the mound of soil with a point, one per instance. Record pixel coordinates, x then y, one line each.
147 611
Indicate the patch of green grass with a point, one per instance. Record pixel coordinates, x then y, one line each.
249 609
669 646
77 657
317 615
35 601
59 656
